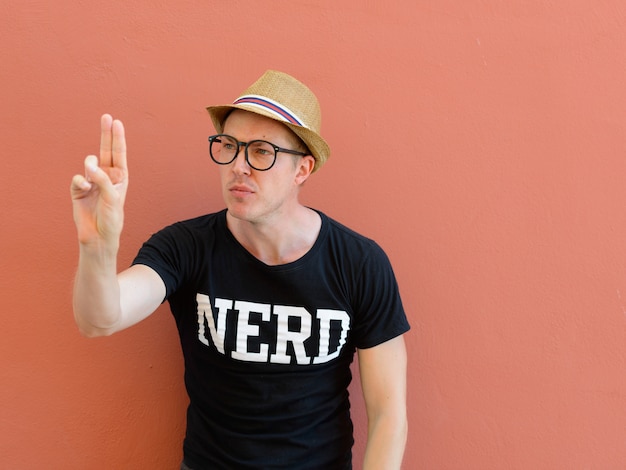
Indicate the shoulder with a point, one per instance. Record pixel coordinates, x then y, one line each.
339 234
176 251
197 226
201 222
186 235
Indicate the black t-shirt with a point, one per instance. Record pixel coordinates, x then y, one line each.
268 349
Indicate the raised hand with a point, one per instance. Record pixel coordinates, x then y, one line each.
98 196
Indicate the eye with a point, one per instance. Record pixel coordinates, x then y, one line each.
261 149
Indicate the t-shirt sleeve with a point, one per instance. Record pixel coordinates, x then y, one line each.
168 253
379 312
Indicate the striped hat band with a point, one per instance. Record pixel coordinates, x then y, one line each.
280 111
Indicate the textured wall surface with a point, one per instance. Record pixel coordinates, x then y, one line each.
481 143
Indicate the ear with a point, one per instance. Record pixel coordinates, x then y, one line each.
304 168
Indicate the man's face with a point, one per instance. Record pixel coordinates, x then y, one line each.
261 196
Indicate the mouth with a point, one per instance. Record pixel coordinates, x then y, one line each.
240 190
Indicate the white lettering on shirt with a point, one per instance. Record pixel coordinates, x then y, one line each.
294 325
325 317
246 330
296 338
218 332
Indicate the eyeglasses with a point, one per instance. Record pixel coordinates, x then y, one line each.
260 154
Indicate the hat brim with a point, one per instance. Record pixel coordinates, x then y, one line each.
315 143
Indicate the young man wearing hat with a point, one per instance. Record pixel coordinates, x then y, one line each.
271 298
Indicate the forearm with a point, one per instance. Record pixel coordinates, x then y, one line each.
96 297
386 442
383 379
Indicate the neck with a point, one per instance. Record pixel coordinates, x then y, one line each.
281 241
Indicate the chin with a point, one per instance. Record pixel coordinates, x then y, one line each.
241 212
245 213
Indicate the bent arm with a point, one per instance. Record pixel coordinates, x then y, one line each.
106 302
383 380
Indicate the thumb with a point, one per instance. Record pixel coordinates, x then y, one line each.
97 176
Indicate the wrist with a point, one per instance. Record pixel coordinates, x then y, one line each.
99 252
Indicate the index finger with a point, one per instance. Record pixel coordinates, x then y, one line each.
106 137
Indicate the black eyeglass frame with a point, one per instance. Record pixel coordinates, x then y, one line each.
213 138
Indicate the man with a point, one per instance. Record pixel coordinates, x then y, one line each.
271 298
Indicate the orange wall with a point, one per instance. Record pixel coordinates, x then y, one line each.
480 142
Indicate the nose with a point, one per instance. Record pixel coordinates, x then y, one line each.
240 165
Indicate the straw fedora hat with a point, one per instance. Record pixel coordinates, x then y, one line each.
283 98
